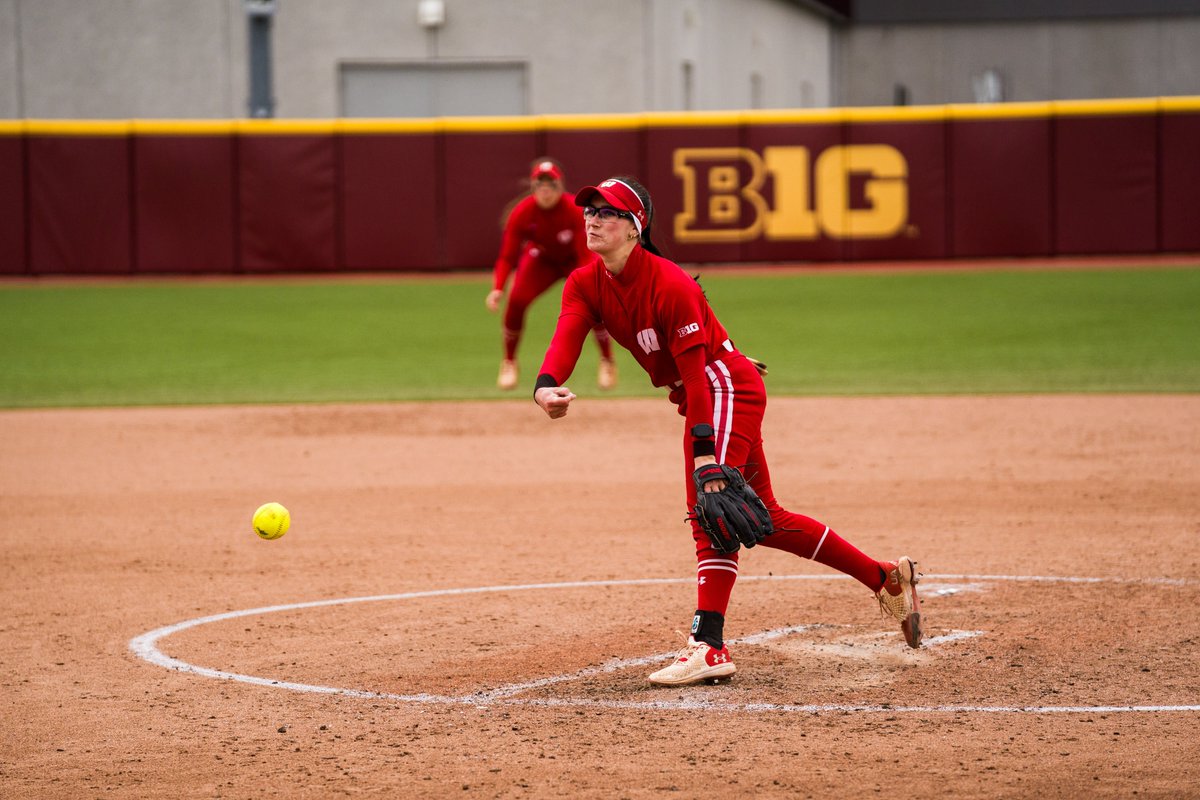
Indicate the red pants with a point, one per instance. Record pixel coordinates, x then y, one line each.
533 277
739 403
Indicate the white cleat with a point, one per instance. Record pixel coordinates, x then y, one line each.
507 379
698 662
606 377
898 598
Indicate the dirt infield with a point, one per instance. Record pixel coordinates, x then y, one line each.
491 589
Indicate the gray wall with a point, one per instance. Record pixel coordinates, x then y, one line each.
121 58
187 58
789 49
994 10
114 59
580 60
1038 60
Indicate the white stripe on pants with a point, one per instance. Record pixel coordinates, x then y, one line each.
722 383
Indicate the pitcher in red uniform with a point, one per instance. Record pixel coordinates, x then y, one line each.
655 310
543 241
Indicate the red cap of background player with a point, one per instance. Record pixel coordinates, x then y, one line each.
545 169
619 195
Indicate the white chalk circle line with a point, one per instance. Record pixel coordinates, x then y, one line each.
146 648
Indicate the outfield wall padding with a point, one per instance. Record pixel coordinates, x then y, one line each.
288 190
478 172
391 202
804 241
823 186
184 204
1105 184
923 235
80 205
1179 203
1000 181
13 218
591 155
659 169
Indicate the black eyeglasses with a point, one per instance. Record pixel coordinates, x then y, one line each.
605 213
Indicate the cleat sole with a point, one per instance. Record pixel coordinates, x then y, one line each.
913 633
912 630
713 675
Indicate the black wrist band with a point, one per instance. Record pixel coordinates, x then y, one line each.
702 444
545 380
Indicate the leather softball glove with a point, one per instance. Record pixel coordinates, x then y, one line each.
732 517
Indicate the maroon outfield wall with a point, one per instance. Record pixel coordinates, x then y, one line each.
1179 181
13 217
793 147
390 187
1105 183
826 185
288 197
79 201
1000 177
184 201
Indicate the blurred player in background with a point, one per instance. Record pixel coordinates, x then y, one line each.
543 242
655 310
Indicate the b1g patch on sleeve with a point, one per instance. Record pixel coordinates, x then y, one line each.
688 329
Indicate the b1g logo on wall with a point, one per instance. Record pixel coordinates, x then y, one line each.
857 191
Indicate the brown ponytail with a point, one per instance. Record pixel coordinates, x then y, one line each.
643 195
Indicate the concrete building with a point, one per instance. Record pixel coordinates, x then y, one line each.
947 51
115 59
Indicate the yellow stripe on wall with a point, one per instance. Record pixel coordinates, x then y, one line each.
182 127
77 127
985 111
404 126
567 122
1175 104
285 127
1072 108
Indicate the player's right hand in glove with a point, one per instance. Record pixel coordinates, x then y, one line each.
733 516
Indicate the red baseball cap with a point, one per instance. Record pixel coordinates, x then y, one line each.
620 195
546 169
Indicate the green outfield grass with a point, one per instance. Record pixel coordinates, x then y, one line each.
994 331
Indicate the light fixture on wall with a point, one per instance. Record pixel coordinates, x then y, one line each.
431 13
988 86
259 8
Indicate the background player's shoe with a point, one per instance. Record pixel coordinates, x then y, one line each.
607 375
898 597
507 379
697 662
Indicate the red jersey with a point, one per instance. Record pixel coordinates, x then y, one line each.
556 234
654 310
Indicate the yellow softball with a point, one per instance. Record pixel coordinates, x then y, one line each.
271 521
